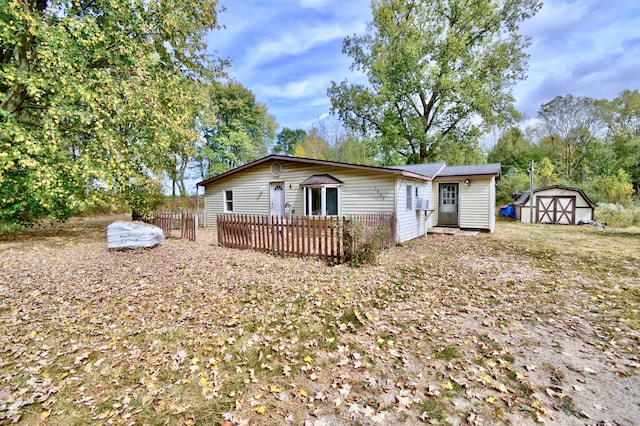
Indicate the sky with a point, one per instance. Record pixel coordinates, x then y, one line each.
288 52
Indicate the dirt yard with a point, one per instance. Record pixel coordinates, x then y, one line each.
530 325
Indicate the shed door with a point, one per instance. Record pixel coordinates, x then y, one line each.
448 204
560 209
276 199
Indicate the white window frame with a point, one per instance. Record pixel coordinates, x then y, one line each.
307 200
225 201
409 196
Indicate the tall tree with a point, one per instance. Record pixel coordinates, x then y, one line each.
438 71
625 134
314 146
575 123
287 140
93 94
513 150
243 130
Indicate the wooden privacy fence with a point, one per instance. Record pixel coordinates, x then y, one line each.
184 222
302 236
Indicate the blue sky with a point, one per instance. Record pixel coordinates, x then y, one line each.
288 51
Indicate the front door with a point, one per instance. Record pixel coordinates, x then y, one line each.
448 204
276 199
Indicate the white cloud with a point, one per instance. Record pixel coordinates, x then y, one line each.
295 42
314 4
580 48
295 89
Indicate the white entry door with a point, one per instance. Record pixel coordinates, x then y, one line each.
276 199
448 205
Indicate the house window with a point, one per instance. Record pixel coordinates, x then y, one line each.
332 201
228 201
409 197
321 201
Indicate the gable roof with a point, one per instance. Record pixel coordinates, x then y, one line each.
525 195
322 179
300 160
427 171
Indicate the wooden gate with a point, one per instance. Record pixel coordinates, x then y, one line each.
559 209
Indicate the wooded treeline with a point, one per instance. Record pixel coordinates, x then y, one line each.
101 101
590 143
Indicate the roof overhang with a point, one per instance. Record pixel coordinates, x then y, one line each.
468 176
326 163
322 179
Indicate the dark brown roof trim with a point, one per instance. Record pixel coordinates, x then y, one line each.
327 163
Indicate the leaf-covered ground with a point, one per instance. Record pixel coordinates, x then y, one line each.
532 324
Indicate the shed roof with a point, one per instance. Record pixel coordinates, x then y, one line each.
524 198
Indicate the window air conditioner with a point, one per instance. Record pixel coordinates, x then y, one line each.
422 204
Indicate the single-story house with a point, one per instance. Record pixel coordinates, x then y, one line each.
421 196
555 204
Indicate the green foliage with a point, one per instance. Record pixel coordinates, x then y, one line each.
512 181
94 96
241 133
574 124
618 187
434 67
287 140
513 150
356 151
144 197
617 215
362 246
313 146
544 172
625 134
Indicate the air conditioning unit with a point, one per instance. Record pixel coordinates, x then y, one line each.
422 204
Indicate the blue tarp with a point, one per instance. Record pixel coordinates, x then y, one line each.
509 211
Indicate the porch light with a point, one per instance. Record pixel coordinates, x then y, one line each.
467 183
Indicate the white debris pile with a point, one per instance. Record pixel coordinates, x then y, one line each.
130 235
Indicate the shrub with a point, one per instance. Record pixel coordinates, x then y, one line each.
617 215
617 188
362 246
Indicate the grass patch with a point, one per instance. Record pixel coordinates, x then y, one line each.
433 409
448 353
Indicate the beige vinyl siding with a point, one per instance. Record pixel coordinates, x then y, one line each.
361 191
492 204
411 223
476 203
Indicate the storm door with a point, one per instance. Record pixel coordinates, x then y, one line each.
276 199
448 204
